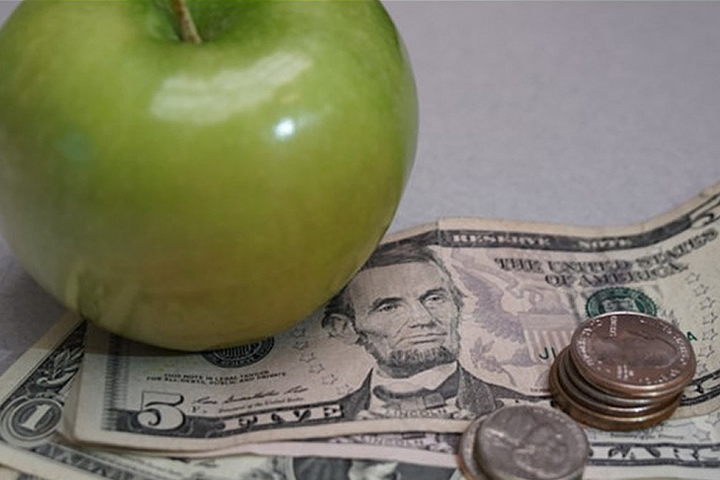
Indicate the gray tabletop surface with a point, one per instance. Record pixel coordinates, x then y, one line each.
582 113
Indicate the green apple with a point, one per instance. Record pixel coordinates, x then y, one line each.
204 174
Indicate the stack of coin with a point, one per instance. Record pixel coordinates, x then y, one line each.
622 371
524 442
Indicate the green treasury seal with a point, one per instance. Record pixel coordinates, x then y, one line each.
619 299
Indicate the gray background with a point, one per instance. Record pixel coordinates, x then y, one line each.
584 113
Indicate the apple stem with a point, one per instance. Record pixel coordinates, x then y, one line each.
188 31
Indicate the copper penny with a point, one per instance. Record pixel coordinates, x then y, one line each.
595 399
601 395
604 421
633 355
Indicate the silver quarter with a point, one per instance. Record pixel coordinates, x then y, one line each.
529 442
469 464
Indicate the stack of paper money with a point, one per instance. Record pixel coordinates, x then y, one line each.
444 324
